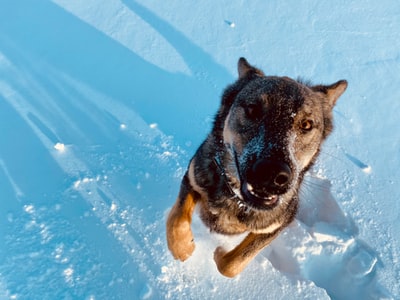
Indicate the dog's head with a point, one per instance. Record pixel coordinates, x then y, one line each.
273 128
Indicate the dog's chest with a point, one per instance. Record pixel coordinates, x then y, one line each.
230 220
221 220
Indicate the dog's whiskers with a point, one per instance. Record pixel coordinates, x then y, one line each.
308 183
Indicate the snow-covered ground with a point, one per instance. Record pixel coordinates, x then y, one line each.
103 104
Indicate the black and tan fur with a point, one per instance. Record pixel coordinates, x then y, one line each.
246 175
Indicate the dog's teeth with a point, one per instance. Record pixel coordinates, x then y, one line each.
273 198
237 193
249 187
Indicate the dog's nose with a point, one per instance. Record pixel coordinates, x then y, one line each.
272 176
282 178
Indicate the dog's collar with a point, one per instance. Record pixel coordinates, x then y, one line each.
244 209
233 192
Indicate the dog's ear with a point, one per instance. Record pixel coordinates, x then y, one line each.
245 68
333 91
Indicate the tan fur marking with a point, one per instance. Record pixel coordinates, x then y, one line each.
192 179
230 137
179 234
271 228
227 133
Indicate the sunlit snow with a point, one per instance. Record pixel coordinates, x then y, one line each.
103 104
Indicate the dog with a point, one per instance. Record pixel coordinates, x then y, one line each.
246 175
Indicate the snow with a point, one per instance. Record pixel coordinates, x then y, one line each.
102 106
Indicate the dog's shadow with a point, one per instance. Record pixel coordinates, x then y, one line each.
321 245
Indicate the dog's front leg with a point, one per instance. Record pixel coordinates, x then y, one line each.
179 234
233 262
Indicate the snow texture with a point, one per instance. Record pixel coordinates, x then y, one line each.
102 106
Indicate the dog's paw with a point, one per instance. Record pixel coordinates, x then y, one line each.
219 254
224 265
180 241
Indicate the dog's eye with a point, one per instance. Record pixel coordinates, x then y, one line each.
252 111
306 125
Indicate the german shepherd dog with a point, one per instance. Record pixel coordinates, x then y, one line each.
246 175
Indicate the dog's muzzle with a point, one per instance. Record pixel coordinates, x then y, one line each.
264 182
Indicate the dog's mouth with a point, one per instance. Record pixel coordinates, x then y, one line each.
257 199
